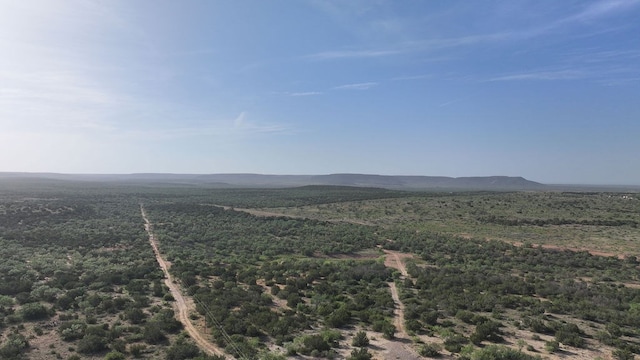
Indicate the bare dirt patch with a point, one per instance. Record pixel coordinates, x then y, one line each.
265 213
590 251
360 255
395 260
279 304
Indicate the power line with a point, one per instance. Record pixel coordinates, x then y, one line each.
225 335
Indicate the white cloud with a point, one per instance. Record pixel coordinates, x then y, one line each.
412 77
53 99
357 86
238 127
351 54
239 122
543 75
48 79
242 126
603 8
307 93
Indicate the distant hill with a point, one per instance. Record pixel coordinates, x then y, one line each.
442 183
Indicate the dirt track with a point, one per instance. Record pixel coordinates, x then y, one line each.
180 304
393 260
398 349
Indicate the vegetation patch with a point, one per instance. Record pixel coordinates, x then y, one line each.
80 279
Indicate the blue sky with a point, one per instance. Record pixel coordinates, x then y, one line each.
545 89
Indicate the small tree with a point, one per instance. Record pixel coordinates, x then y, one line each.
137 349
455 342
34 311
489 330
430 350
91 344
360 340
114 355
153 334
182 350
623 354
389 331
360 354
552 346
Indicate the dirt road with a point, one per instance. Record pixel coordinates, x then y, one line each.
398 349
398 312
394 260
180 304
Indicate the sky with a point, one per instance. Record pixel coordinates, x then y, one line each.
544 89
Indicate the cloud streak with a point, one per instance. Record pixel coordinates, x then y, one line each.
603 8
357 86
307 93
542 75
238 127
351 54
590 13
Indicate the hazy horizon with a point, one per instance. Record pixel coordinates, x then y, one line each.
545 90
44 175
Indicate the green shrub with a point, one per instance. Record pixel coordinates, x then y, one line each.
455 342
360 340
552 346
72 330
489 330
570 334
13 346
331 336
6 301
153 334
182 350
430 350
34 311
114 355
623 354
91 344
137 349
496 352
360 354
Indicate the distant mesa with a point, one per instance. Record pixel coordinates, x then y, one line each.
395 182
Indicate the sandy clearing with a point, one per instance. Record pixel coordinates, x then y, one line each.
557 247
264 213
395 260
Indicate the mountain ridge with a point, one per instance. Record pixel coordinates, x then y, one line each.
396 182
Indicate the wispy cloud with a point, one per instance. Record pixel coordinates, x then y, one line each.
454 101
237 127
52 86
306 93
603 8
351 54
542 75
412 77
592 12
242 125
438 47
357 86
619 82
49 100
296 93
595 56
